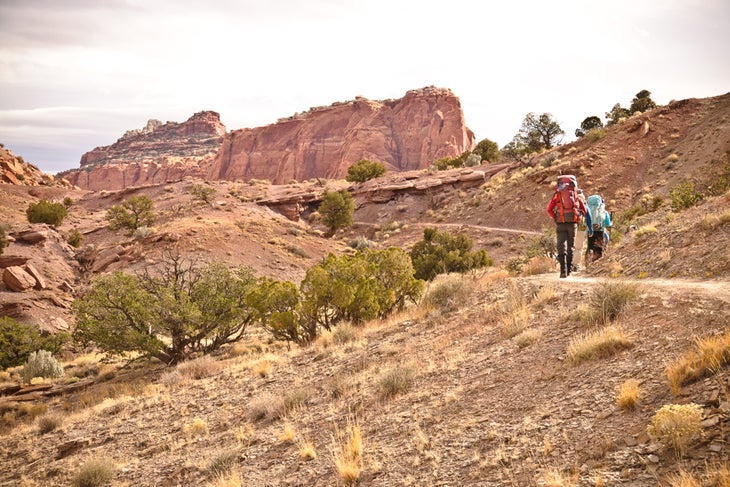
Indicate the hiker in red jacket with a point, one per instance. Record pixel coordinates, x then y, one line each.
567 209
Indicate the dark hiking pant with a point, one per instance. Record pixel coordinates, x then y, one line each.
566 241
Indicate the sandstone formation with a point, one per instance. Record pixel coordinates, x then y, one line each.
14 170
404 134
17 279
154 154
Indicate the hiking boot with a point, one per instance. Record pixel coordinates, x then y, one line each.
563 274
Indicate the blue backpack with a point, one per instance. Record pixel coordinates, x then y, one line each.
597 208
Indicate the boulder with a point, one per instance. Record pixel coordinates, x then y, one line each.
40 283
17 279
12 260
32 236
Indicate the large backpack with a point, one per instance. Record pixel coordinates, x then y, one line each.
566 208
597 208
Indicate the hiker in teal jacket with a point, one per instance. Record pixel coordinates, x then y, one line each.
601 219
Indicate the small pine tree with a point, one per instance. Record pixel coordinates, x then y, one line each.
133 213
364 170
337 210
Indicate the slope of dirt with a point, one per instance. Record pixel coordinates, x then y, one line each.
481 411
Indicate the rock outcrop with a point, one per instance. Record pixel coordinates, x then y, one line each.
404 134
14 170
154 154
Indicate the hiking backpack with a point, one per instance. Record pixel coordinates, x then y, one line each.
566 209
596 206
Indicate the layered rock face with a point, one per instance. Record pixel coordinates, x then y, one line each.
14 170
154 154
404 134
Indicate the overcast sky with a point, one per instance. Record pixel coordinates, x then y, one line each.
76 74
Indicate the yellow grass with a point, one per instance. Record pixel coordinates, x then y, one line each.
230 479
600 343
197 428
555 478
706 357
287 433
677 425
307 450
628 394
349 454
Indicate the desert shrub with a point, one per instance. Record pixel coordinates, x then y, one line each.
606 301
542 245
18 340
447 292
361 243
345 333
357 288
684 196
46 212
364 170
446 163
441 252
193 310
296 399
337 210
706 357
595 134
137 211
202 192
628 394
677 425
41 364
645 230
142 232
68 202
597 344
94 473
48 422
397 380
199 368
75 238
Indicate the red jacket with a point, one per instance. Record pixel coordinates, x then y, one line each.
578 203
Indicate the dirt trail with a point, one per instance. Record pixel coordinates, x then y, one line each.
719 289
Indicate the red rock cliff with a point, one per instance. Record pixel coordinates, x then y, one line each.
404 134
154 154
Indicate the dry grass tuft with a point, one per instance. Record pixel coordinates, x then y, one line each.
606 302
553 477
707 357
677 425
223 463
197 428
528 337
538 265
628 395
348 454
230 479
600 343
287 433
683 479
306 450
199 368
49 422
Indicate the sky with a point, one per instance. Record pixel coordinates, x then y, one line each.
77 74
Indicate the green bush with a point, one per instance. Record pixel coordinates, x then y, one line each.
133 213
68 202
46 212
181 311
440 252
202 192
487 150
364 170
337 209
75 238
19 340
684 196
41 364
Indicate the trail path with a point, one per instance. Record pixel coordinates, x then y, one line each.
460 226
719 289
